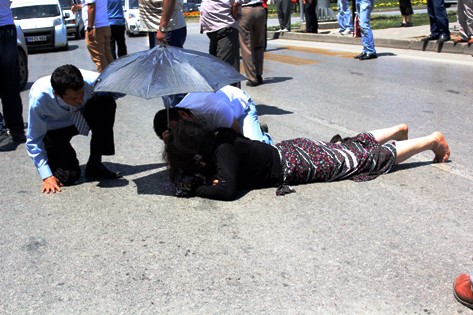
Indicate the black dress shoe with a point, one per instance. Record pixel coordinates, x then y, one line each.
369 56
100 171
443 38
430 37
251 83
259 79
360 55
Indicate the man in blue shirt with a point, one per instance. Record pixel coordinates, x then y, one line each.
117 26
62 106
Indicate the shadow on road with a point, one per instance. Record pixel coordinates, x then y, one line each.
263 109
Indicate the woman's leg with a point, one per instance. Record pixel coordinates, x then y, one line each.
435 142
398 132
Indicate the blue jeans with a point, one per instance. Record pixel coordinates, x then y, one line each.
363 9
344 15
10 80
250 125
438 18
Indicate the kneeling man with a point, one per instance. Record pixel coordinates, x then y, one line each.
62 106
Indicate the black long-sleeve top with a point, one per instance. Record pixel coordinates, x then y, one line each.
241 163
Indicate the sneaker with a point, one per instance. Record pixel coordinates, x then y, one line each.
408 24
347 32
462 290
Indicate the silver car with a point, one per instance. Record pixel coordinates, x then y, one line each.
22 56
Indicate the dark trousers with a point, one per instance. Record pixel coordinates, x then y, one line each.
224 45
405 7
312 24
117 41
99 113
438 17
175 38
284 8
10 80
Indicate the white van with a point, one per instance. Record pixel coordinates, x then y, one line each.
42 23
132 17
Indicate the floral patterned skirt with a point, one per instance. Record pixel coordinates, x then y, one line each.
359 158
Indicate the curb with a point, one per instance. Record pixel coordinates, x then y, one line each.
414 44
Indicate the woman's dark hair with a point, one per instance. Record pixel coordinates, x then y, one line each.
190 143
66 77
160 121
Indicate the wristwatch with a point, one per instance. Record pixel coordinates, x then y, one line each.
163 29
89 29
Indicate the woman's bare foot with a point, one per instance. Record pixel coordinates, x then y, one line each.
441 148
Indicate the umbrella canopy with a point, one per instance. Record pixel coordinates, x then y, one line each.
166 70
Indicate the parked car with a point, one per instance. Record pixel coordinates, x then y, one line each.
42 23
74 23
132 17
22 56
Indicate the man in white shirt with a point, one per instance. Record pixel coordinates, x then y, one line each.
62 106
228 107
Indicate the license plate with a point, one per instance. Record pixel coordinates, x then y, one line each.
31 39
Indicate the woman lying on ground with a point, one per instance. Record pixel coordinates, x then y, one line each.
231 162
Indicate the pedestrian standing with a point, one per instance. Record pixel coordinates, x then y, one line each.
363 10
284 8
116 18
10 82
311 22
164 21
405 7
438 21
97 39
252 36
465 19
217 20
345 21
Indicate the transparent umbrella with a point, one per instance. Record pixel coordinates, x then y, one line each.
166 70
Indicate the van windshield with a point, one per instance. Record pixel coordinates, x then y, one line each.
35 11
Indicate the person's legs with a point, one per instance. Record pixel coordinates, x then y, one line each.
62 158
10 83
398 133
441 18
227 46
100 115
113 40
151 39
246 22
121 42
257 41
287 11
344 16
435 142
251 127
280 11
434 30
366 33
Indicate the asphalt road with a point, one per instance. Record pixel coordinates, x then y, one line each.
388 246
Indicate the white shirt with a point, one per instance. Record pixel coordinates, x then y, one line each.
218 108
150 15
216 14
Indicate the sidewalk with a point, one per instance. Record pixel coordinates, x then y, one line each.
402 38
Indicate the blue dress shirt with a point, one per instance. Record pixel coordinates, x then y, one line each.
49 112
